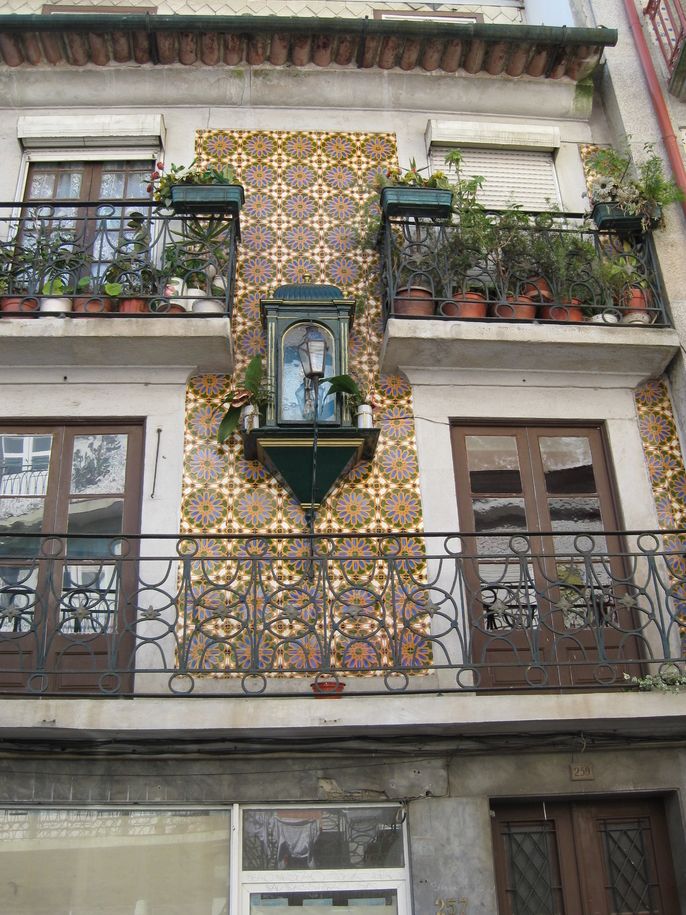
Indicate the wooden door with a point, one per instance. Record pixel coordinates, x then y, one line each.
609 857
67 582
541 572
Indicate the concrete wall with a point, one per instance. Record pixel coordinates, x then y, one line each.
448 794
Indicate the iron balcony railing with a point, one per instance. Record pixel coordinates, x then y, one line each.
114 258
668 19
241 616
550 268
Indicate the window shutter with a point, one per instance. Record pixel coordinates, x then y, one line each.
510 175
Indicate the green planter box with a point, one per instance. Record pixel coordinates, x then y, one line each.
417 201
195 199
613 218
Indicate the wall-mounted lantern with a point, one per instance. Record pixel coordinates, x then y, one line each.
308 438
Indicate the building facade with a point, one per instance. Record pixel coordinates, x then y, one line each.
322 665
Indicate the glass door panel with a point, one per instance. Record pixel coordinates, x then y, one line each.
539 500
61 607
326 902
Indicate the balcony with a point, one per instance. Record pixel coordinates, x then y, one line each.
514 290
668 19
288 616
115 283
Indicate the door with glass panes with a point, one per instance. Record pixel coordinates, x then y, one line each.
543 611
85 202
609 857
67 578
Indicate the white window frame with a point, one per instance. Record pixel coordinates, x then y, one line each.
71 154
340 879
498 137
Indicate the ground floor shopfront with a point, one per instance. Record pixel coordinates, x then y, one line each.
425 829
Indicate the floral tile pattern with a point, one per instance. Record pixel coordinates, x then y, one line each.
305 202
665 464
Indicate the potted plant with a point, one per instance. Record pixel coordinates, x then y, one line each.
626 197
14 298
194 189
54 300
466 248
410 193
510 262
196 265
327 686
51 264
245 401
561 267
95 298
358 399
626 288
131 270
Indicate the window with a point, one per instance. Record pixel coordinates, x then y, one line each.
434 16
578 858
343 860
511 176
59 598
540 609
64 188
515 160
119 861
123 861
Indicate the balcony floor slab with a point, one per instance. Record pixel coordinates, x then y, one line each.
635 352
201 343
621 713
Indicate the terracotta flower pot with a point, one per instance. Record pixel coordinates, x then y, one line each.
91 304
635 307
565 311
465 305
537 288
17 305
132 306
413 300
516 308
327 689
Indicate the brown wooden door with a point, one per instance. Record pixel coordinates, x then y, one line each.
543 601
584 858
67 583
97 229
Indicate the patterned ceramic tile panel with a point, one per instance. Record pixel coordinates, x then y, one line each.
305 194
665 464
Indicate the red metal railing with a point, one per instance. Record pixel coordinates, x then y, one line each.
668 18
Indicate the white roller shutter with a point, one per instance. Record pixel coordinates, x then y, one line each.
510 175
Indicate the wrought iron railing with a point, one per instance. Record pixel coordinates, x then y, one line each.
668 19
225 615
520 267
114 258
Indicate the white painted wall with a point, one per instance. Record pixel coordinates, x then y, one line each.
548 12
157 397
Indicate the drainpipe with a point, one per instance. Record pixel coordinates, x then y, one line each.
656 97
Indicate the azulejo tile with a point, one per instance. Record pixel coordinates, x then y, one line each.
307 195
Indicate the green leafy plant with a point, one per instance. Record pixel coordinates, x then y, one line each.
345 385
251 391
560 253
639 188
161 181
413 177
51 261
131 271
670 680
